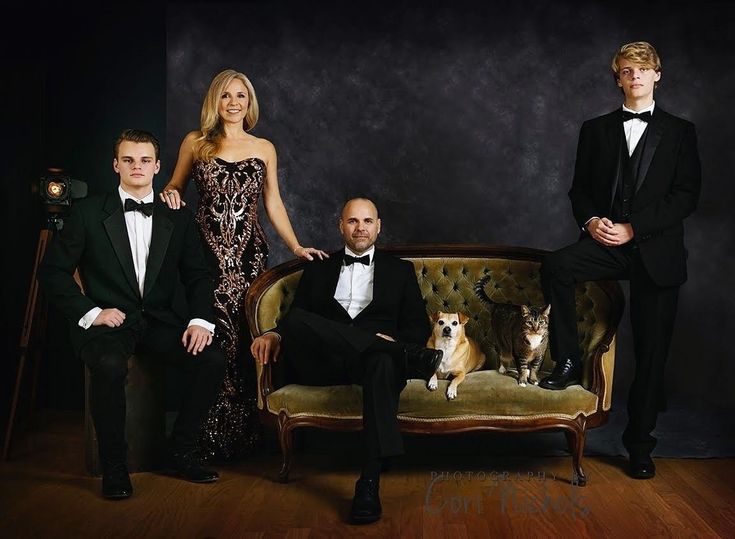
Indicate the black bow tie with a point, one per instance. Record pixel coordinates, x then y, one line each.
645 116
146 208
365 259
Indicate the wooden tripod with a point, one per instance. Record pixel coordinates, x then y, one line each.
34 325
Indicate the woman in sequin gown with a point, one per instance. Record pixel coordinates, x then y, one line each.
231 170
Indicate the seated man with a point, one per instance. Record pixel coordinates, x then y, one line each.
128 249
358 317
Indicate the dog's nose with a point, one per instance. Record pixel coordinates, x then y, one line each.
447 330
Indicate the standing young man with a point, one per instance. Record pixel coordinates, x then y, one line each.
129 249
637 177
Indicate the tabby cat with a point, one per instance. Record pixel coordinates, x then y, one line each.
521 333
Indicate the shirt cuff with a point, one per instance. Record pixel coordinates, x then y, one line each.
201 322
584 226
273 333
86 320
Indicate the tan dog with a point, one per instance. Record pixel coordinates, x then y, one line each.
461 353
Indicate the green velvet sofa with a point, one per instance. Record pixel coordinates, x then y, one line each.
487 400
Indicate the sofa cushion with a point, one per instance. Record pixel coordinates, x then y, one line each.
483 394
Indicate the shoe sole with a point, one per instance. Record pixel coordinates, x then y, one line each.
213 480
365 520
570 383
643 476
116 496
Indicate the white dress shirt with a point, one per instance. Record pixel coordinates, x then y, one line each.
140 228
634 128
355 285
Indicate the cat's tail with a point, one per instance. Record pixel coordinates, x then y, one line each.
480 290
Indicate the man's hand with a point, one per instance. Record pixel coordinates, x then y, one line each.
610 234
112 318
265 348
196 338
386 337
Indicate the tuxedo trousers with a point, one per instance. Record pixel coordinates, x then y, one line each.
321 352
107 355
652 314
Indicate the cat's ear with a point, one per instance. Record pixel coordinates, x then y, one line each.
525 310
463 318
547 310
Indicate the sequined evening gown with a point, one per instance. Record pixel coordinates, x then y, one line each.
236 246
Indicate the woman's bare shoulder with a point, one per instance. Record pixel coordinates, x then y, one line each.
265 146
191 136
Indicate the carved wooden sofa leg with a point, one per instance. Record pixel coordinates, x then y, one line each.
285 436
575 435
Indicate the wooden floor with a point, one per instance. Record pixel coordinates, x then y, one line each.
44 492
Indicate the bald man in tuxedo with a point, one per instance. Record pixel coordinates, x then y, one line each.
358 317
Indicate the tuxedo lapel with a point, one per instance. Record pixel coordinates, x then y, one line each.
117 232
615 140
160 236
332 277
655 131
379 280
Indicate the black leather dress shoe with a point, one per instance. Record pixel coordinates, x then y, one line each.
188 465
566 373
422 362
366 503
641 467
116 481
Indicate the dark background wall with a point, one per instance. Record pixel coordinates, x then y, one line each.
461 121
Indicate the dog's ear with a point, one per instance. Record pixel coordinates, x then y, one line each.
463 318
435 316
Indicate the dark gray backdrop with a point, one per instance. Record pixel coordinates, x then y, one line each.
462 123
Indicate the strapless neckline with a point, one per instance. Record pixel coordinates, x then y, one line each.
239 161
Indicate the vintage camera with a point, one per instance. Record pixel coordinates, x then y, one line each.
58 189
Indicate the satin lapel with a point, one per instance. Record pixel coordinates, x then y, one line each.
379 278
333 269
656 126
116 230
163 227
615 138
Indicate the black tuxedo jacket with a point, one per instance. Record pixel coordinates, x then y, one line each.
667 188
94 239
397 308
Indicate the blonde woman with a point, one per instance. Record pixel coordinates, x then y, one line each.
231 169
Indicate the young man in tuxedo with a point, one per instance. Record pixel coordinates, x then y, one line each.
637 177
129 248
358 317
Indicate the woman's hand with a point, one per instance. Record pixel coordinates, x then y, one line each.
309 253
172 198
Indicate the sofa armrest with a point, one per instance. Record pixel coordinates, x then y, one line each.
267 300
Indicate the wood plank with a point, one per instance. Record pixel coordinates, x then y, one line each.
44 492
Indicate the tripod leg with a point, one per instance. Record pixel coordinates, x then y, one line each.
14 406
25 338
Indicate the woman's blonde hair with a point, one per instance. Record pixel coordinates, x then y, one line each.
206 146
